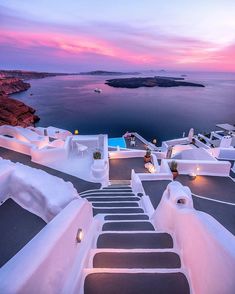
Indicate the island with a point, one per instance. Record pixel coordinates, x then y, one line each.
157 81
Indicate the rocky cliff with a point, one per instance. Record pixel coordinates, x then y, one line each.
12 111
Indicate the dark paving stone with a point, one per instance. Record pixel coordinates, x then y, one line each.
115 204
223 213
220 188
128 226
79 184
135 240
107 195
232 174
117 210
17 227
113 199
120 169
136 283
155 189
136 260
127 217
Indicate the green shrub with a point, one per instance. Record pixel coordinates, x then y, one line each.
97 155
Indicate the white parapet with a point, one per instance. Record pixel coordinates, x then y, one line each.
35 190
207 248
47 263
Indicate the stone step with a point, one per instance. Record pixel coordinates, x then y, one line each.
126 217
117 187
136 260
136 283
116 210
107 195
120 182
111 191
103 199
135 240
115 204
128 226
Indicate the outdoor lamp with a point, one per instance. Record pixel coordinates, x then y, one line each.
76 132
154 141
79 236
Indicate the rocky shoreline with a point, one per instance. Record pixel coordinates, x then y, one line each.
12 111
150 82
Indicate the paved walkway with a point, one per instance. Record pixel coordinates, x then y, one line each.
219 188
79 184
155 189
223 213
120 169
17 227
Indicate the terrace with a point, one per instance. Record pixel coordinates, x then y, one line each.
17 227
120 168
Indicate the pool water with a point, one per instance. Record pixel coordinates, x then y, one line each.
114 142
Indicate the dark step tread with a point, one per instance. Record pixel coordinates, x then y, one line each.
117 210
135 240
128 226
104 198
108 195
127 217
136 260
115 204
136 283
117 187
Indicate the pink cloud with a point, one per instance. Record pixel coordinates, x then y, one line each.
143 52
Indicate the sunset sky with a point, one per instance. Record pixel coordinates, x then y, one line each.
80 35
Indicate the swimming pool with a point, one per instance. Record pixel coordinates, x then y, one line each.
114 142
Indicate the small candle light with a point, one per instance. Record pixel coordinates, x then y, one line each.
79 236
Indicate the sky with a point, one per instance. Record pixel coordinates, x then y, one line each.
123 35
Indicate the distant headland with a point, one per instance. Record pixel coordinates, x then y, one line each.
109 73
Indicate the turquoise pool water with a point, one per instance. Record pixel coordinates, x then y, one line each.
114 142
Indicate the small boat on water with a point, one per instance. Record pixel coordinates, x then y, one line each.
97 90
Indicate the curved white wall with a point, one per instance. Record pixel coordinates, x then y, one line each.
46 263
207 248
35 190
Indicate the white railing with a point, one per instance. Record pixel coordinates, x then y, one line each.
136 183
207 248
15 145
203 167
226 153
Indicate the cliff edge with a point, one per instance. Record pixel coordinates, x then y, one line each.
12 111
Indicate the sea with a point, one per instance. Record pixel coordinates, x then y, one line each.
69 102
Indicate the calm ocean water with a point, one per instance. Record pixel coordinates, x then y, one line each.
70 102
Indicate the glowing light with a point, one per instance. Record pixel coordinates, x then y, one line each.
79 236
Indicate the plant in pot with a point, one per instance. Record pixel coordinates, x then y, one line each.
173 167
97 155
147 157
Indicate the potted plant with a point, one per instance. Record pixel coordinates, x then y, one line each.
97 155
147 157
173 167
